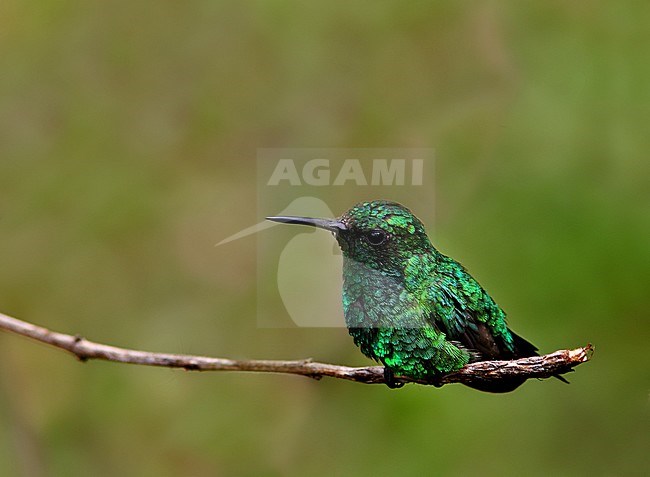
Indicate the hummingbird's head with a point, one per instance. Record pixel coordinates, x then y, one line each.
380 234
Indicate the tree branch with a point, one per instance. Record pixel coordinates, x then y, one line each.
484 371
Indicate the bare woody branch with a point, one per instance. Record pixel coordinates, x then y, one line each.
484 371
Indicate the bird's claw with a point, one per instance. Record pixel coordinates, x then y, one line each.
436 380
389 379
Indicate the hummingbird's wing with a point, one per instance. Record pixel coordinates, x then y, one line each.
465 312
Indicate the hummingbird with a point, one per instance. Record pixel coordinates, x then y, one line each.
406 305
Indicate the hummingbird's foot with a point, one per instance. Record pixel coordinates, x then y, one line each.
389 378
436 380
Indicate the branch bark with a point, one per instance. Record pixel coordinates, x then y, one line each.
483 371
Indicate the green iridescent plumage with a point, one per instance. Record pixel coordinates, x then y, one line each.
408 306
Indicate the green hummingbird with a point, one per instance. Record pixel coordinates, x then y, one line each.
408 306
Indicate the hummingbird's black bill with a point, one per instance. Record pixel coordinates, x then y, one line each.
332 225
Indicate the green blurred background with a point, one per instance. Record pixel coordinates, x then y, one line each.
128 136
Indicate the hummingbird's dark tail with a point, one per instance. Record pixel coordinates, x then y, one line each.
523 349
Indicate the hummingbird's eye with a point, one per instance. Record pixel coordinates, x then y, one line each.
376 237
